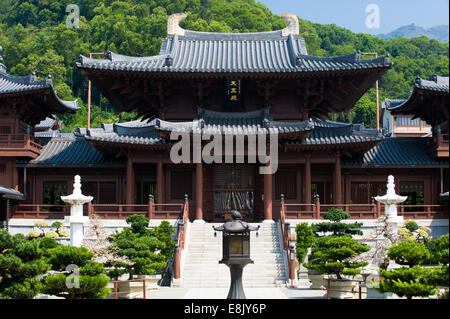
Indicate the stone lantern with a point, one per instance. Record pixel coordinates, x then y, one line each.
76 218
390 201
236 251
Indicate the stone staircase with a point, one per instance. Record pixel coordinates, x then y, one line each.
202 268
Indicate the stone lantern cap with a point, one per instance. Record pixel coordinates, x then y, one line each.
236 225
76 198
390 197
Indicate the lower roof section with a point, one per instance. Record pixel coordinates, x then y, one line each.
71 151
401 152
10 193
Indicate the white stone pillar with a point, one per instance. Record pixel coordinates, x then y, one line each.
76 218
390 201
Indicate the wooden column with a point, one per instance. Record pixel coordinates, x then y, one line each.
159 182
337 180
267 196
307 198
15 178
130 180
199 191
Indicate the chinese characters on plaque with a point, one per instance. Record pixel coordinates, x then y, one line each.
233 92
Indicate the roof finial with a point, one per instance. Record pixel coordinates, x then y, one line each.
293 25
173 26
2 66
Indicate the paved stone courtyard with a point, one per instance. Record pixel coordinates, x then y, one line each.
221 293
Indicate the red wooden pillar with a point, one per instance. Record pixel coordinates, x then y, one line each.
130 180
199 191
307 199
159 182
15 178
337 180
267 196
176 263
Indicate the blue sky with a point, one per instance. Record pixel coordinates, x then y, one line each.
351 14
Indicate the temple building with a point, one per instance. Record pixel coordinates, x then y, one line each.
236 85
225 121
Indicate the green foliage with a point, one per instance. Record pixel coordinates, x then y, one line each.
62 256
57 225
21 260
408 282
35 38
411 226
417 281
149 250
439 250
89 282
409 253
336 227
333 255
305 239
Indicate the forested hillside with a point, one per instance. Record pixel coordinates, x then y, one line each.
34 36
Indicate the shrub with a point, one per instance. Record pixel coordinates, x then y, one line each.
333 255
51 234
305 239
148 250
91 280
411 225
335 226
439 250
33 234
409 253
21 260
57 225
63 233
414 280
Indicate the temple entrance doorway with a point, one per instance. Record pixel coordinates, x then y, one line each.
234 189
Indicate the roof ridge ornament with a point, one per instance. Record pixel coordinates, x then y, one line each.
173 24
293 25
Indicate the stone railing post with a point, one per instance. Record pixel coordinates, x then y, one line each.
317 205
151 206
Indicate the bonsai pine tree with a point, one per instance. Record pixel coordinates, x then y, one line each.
333 255
148 250
87 281
21 260
334 252
335 226
305 239
414 280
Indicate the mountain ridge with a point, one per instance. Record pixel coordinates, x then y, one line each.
438 32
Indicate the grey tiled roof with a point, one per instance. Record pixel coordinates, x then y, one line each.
396 152
46 123
10 84
437 83
329 132
234 123
135 132
425 100
71 151
10 193
211 52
